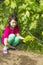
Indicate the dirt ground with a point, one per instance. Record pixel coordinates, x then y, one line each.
19 57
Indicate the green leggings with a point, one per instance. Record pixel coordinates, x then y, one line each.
13 40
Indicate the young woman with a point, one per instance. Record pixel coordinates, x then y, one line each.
11 35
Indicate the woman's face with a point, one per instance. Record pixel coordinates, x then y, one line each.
13 23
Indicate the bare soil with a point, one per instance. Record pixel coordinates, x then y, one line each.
19 57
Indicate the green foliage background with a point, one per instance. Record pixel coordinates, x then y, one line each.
30 20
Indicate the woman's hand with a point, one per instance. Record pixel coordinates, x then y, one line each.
20 37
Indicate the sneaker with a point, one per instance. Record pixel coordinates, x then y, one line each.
13 48
5 51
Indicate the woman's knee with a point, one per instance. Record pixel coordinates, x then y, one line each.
17 39
11 38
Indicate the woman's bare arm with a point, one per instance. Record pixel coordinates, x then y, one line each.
6 43
20 37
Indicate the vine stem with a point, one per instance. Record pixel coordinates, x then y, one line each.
34 36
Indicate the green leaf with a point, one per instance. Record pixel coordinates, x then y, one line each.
33 25
41 4
13 5
27 13
7 2
42 15
41 7
1 27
